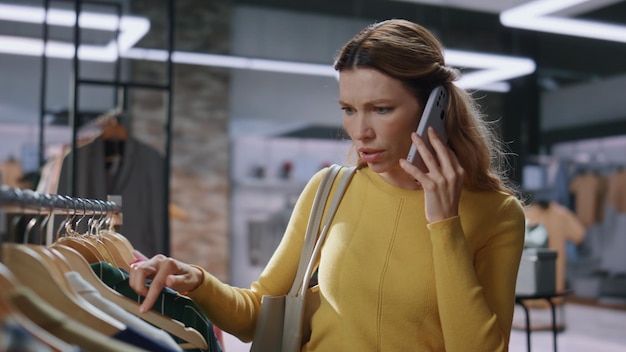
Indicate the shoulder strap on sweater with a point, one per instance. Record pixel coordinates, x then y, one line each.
313 242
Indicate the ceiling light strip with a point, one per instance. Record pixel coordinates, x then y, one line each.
493 68
132 28
488 78
536 16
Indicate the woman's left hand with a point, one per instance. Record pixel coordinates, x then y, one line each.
443 182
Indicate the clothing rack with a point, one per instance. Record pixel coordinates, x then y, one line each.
21 202
25 201
43 110
37 268
121 92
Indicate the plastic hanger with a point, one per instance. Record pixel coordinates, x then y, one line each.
77 263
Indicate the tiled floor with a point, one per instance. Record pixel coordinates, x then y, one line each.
588 329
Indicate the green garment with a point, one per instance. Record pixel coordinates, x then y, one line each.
170 303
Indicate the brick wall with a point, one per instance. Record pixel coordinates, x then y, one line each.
200 153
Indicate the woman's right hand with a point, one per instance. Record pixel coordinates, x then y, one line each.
443 182
164 271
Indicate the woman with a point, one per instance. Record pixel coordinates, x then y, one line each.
414 261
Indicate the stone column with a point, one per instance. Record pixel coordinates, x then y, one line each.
199 183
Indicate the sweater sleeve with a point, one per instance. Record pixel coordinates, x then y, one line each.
235 310
476 293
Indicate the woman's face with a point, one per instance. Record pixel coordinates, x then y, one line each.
379 114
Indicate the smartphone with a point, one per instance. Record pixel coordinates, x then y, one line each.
434 116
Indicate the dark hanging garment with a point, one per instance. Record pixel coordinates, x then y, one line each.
131 169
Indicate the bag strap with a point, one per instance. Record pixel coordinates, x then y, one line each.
312 242
313 226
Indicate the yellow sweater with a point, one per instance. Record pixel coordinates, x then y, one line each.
388 280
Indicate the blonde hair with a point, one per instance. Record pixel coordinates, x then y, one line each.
412 54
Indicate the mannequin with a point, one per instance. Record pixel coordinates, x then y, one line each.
562 225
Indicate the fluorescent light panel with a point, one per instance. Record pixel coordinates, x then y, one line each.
535 16
132 29
493 69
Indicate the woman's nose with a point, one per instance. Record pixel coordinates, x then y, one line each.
363 128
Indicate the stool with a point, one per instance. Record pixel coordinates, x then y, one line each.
520 298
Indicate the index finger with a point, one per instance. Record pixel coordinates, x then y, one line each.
137 277
142 270
156 286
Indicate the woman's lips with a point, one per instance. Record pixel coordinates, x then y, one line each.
370 155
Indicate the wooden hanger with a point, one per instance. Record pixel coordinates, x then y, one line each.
121 243
120 260
9 311
76 241
115 132
64 326
44 279
111 253
77 263
5 309
118 245
93 249
110 125
101 248
86 249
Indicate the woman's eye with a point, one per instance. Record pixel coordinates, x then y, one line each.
383 111
348 111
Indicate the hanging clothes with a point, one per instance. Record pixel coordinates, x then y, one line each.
560 192
169 303
60 294
161 341
14 337
613 260
62 325
616 190
589 190
137 176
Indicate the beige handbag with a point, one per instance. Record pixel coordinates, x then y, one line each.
282 323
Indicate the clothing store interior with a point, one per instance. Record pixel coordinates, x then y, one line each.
188 128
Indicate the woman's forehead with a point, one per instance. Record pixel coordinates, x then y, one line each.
369 83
